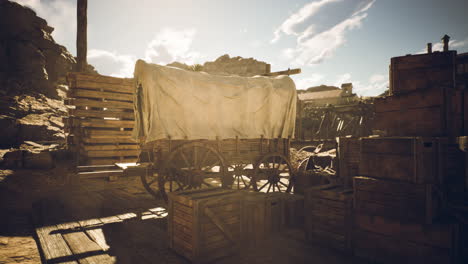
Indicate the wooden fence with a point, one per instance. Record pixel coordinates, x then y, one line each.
101 119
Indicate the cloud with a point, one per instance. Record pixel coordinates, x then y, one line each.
317 40
61 15
343 78
313 80
307 11
171 45
375 85
167 46
112 63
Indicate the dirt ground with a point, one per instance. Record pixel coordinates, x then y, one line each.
139 240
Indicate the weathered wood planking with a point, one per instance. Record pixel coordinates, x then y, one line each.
204 224
438 235
97 78
328 216
398 200
101 113
81 245
408 159
387 249
111 153
83 93
98 123
422 71
424 112
262 216
99 103
110 147
349 149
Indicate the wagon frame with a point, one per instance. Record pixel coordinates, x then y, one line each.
260 164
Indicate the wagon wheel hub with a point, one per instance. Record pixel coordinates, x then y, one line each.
196 178
273 176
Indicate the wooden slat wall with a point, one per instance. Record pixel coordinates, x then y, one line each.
101 119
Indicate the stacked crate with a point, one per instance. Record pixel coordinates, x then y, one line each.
101 119
423 97
205 224
348 157
328 218
404 178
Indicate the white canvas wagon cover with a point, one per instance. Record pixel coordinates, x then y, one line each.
179 104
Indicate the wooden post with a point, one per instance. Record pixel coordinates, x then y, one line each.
81 36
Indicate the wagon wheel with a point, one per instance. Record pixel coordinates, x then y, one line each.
239 175
273 173
149 177
191 166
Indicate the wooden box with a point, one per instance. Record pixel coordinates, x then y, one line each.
349 149
431 112
422 71
386 240
293 210
328 216
262 215
407 202
408 159
205 224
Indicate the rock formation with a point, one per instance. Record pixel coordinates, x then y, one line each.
33 68
226 65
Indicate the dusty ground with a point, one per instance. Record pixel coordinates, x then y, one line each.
129 240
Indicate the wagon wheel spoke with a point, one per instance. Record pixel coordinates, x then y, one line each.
282 183
205 155
269 186
195 158
182 154
263 186
277 186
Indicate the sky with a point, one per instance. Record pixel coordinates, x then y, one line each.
332 41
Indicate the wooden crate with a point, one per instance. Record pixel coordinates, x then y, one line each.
204 224
101 119
414 203
387 240
408 159
293 210
431 112
328 216
422 71
262 215
349 149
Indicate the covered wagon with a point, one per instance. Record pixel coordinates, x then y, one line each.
199 130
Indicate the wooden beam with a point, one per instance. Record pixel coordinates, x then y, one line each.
81 36
287 72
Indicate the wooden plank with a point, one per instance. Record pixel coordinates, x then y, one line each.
73 93
106 123
80 244
99 103
97 78
101 113
110 147
81 35
287 72
54 246
120 88
99 174
439 235
106 161
108 140
95 133
388 249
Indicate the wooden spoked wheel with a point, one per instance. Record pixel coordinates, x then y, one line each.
273 173
191 166
239 176
150 181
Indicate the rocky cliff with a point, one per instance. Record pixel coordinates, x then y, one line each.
33 68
